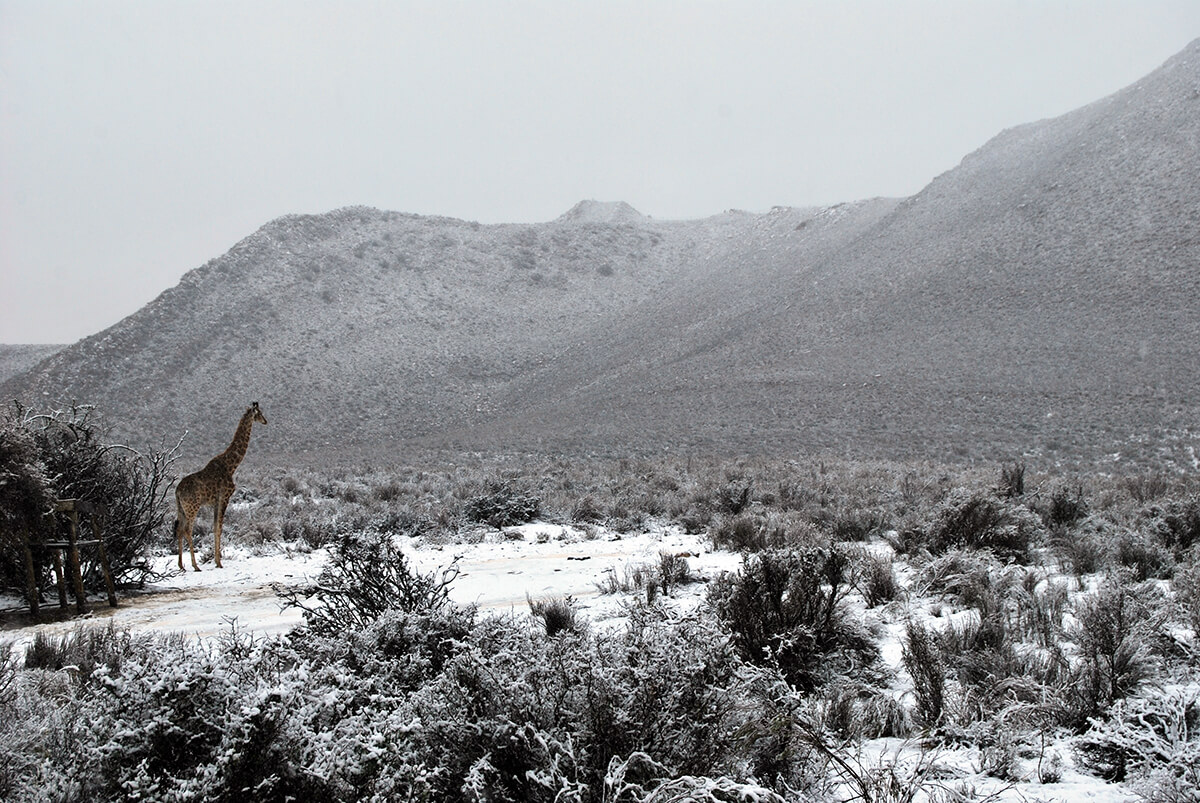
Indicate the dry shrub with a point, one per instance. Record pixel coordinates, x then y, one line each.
981 521
1144 558
875 578
923 660
367 574
1115 628
557 614
784 609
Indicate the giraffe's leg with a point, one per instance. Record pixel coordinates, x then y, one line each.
183 527
191 544
218 522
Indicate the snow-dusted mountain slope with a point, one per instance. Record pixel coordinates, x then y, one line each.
1037 300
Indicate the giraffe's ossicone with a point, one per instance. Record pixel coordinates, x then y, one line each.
212 485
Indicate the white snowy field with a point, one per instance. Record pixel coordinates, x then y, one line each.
498 573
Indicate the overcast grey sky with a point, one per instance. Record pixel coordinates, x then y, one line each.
140 139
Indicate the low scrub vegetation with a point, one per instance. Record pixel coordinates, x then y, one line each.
1048 623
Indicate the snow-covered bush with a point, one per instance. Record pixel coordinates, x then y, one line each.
875 578
25 496
1012 481
366 575
785 610
742 533
846 523
760 531
84 649
1042 613
156 723
586 510
1063 507
1116 628
403 649
1187 587
1175 524
1145 488
982 521
966 577
855 711
537 718
1146 737
557 614
62 455
305 522
184 720
732 498
923 659
1086 548
673 570
640 779
503 505
1144 558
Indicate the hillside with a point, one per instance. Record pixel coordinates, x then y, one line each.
361 325
1036 300
16 359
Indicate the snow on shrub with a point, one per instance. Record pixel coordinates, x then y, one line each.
923 660
1116 628
366 575
1145 737
640 779
785 610
62 455
982 521
502 505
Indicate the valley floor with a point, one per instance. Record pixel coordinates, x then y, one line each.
506 568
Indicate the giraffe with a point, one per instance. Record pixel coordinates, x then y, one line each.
212 485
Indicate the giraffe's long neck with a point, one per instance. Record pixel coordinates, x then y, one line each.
232 457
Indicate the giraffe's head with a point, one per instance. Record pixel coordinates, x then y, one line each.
258 416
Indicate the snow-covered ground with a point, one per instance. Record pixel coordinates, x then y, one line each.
498 573
499 570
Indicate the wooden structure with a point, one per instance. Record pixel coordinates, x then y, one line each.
70 573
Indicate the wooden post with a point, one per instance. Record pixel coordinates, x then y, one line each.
68 506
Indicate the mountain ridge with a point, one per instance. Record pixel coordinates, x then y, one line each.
1033 302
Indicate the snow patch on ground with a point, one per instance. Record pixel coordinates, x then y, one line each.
498 574
541 560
